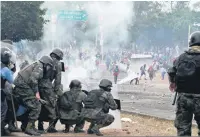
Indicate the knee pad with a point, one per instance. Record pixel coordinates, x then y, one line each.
110 119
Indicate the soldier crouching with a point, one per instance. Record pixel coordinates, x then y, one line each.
71 106
97 105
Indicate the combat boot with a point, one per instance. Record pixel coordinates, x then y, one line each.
52 128
40 126
4 131
78 130
39 131
12 128
30 129
89 131
24 125
96 131
67 127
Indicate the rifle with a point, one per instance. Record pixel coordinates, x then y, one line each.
174 101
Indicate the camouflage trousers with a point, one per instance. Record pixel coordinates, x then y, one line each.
48 112
187 105
29 101
79 123
102 120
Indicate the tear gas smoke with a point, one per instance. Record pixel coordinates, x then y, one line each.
116 16
110 19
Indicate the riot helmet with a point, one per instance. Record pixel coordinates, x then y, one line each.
105 84
75 84
46 60
194 39
8 57
57 53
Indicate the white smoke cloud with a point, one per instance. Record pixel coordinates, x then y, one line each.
113 18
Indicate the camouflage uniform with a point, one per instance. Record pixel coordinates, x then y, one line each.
70 108
23 64
46 92
97 105
185 74
187 105
26 86
50 92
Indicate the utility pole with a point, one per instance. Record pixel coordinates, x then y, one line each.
53 27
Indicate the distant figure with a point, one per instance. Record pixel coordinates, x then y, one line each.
151 72
163 72
143 69
115 73
136 80
108 61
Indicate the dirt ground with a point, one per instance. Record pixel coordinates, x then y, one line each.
140 126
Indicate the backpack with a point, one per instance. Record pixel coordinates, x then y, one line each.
66 101
186 70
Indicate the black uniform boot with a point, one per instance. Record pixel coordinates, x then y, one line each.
23 126
40 125
52 128
89 131
4 131
95 129
12 127
79 127
67 127
78 130
30 129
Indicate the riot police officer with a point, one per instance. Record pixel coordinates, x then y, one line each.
26 90
51 92
97 105
184 78
8 64
70 107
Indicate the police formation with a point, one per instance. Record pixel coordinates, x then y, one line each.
184 78
36 94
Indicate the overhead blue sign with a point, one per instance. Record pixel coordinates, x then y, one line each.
70 15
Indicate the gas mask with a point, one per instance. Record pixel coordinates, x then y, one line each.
108 89
62 66
55 60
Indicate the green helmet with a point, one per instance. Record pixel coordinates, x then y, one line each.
194 39
58 52
75 83
104 83
46 60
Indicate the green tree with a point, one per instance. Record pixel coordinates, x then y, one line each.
22 20
163 23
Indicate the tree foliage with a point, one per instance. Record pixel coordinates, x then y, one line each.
21 20
154 26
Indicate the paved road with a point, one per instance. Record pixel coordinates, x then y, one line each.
148 98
